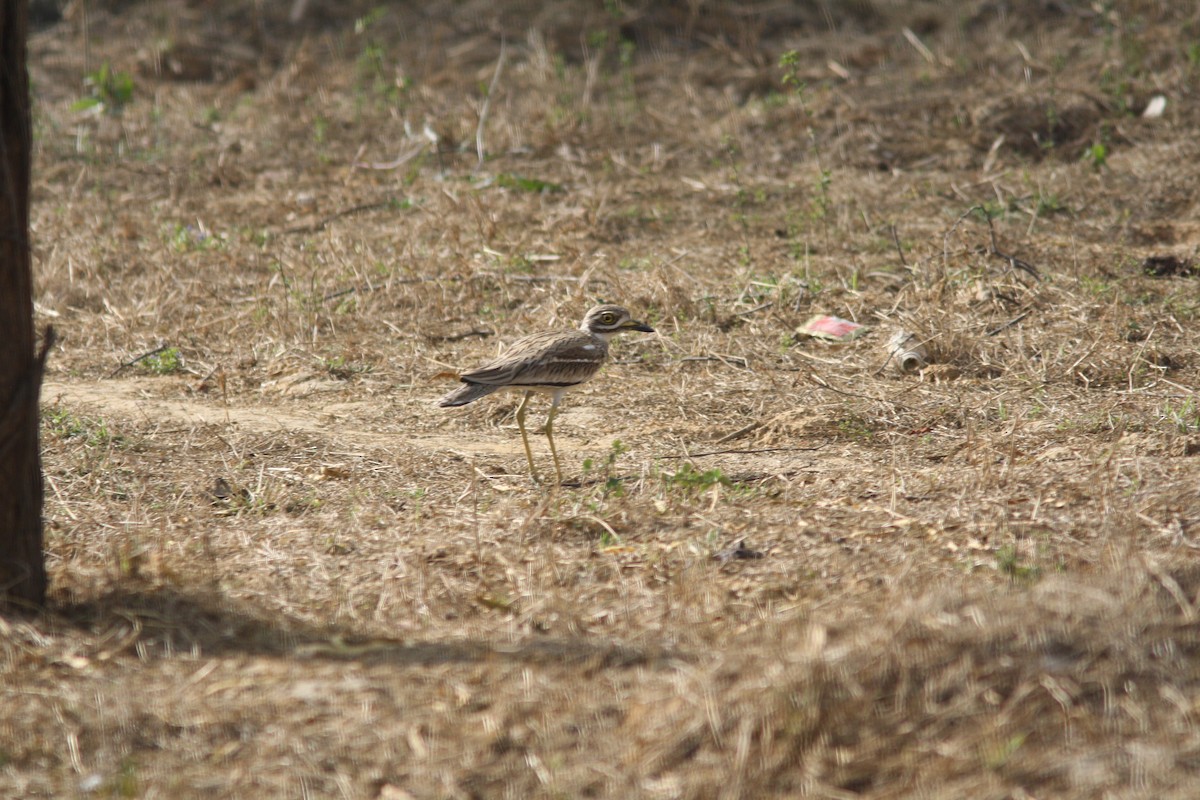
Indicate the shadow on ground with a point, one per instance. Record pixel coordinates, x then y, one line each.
167 621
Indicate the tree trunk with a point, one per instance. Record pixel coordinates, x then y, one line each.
22 569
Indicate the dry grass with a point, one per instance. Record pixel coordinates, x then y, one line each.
279 570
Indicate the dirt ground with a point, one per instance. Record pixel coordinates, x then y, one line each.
779 566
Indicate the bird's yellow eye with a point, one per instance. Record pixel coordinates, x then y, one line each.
608 318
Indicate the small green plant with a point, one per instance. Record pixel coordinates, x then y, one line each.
518 264
1096 155
1053 121
320 129
819 205
310 502
1184 417
165 362
732 152
259 237
691 479
999 755
521 184
1050 204
1193 56
635 264
854 427
1008 562
612 486
62 424
109 91
191 239
127 784
343 368
774 99
822 202
1117 85
1095 286
371 65
992 209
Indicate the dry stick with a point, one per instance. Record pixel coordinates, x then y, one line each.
398 162
953 228
487 104
475 508
1141 349
372 288
1172 587
899 249
733 361
538 278
1010 323
62 500
747 452
1190 390
482 333
365 288
142 357
729 437
821 383
754 310
1079 360
313 227
919 46
1013 261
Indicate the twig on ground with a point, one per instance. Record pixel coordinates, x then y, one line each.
374 288
482 333
949 233
1133 362
1013 261
313 227
733 361
1010 323
919 46
899 249
487 103
1079 360
399 161
742 431
539 278
754 310
821 383
142 357
751 451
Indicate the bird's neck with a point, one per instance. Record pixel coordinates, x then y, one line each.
603 336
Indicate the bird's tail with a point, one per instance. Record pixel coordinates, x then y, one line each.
466 393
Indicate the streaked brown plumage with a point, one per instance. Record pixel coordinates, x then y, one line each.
552 362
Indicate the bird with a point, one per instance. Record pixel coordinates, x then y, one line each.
551 362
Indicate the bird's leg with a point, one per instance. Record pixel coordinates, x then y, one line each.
525 437
550 436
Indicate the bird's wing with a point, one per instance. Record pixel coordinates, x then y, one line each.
553 358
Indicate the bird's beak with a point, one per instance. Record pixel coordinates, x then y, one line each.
634 325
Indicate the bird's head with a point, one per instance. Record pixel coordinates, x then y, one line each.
607 320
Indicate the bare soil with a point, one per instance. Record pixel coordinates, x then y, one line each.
779 566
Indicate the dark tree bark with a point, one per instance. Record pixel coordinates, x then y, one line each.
22 568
